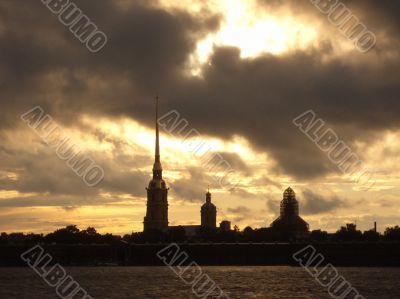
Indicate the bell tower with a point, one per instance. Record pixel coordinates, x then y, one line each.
157 192
208 213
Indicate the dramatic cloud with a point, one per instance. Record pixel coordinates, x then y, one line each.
317 204
192 187
147 54
227 96
240 213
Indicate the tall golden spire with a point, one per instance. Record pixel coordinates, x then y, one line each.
157 193
157 169
157 134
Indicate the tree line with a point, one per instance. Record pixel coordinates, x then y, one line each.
73 235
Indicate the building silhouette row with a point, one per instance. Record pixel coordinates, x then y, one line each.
289 222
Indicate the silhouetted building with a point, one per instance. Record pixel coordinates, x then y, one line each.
157 193
208 213
225 226
289 223
191 230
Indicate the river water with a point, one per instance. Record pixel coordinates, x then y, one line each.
237 282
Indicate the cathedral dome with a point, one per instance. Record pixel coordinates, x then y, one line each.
208 205
289 192
290 223
289 203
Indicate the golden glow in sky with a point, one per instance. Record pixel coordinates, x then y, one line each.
119 212
251 29
256 32
41 193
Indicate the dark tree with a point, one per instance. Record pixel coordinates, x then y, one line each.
348 233
392 233
371 236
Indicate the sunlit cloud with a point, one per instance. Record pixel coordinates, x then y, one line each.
248 27
287 58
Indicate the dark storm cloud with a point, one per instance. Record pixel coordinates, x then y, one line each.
193 187
41 171
258 98
380 15
146 47
42 63
235 162
313 203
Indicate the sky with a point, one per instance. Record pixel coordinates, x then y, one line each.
236 71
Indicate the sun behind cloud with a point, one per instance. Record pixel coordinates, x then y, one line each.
253 30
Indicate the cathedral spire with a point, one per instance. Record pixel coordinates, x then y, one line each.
157 169
157 193
157 134
208 195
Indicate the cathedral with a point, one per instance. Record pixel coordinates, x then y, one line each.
289 223
157 198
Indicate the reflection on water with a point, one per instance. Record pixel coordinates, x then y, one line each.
238 282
